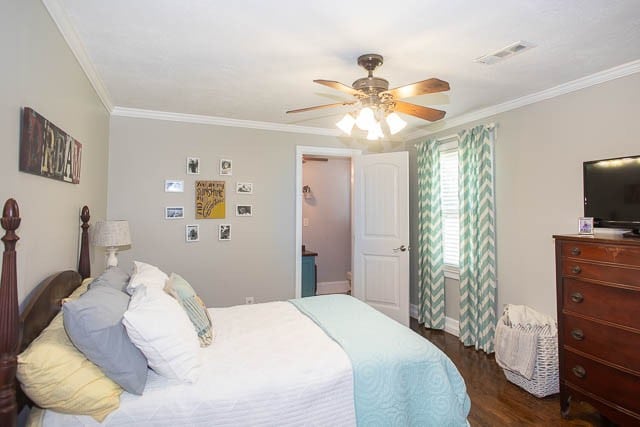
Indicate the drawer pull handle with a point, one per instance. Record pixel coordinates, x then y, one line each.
576 269
579 371
577 334
577 297
575 251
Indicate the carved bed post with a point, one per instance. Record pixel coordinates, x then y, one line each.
84 265
9 328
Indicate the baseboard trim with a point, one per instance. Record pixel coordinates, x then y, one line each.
325 288
451 326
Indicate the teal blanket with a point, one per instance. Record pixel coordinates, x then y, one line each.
400 378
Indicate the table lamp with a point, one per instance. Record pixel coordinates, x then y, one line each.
111 235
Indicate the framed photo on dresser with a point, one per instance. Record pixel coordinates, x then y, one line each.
585 225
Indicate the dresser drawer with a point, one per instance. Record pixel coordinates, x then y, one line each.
618 346
611 384
615 305
607 273
598 252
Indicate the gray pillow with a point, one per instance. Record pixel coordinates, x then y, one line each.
113 277
94 325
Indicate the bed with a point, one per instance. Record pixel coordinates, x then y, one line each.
329 360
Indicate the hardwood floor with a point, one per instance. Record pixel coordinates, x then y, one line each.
497 402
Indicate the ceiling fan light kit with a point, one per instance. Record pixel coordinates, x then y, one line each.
376 104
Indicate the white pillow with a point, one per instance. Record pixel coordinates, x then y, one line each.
146 274
161 329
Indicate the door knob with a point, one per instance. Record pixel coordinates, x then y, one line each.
402 248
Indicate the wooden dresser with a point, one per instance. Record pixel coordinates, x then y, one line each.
598 291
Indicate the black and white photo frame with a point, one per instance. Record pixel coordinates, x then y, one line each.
193 165
244 210
173 186
244 187
226 167
174 212
192 233
224 232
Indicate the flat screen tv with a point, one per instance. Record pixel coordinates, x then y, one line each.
612 193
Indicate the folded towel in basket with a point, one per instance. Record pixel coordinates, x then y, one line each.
521 315
516 349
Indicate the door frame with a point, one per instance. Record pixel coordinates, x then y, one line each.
302 150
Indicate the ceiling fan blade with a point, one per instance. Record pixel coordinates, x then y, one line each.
418 88
426 113
320 107
339 86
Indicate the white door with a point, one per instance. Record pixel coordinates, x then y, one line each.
381 233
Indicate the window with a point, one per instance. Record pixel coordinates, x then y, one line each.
450 206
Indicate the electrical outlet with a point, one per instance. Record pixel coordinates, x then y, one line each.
248 300
305 222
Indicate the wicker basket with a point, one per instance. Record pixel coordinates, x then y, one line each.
544 381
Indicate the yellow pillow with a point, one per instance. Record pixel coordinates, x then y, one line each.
55 375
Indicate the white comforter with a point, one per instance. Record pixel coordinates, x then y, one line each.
268 365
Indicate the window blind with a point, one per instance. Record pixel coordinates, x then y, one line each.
449 205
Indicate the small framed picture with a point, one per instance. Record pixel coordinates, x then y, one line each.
174 212
224 232
192 233
225 167
585 225
173 186
244 187
193 165
244 210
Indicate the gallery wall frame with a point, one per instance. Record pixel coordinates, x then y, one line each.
192 233
244 210
174 212
210 200
244 187
193 165
173 186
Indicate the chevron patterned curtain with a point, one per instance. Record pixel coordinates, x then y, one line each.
477 238
430 261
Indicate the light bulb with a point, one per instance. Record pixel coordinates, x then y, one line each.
365 119
346 124
396 124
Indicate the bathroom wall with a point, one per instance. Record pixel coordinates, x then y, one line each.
328 212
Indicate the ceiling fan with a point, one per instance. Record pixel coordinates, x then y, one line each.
375 101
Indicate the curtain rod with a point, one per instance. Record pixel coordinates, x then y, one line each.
454 135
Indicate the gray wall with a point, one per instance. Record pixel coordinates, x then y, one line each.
538 165
328 210
259 259
38 70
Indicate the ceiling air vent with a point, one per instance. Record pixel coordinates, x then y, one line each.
504 53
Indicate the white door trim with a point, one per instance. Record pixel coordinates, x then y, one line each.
317 151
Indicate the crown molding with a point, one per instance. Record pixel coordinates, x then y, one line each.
572 86
221 121
70 35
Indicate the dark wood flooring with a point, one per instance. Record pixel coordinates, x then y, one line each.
497 402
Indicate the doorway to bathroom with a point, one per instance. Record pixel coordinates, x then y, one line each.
326 224
324 233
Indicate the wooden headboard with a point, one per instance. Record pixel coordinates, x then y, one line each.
17 331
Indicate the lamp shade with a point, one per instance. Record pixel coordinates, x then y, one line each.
111 233
366 119
346 124
396 124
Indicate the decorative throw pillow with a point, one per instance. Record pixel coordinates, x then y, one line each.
161 329
182 291
55 375
94 324
147 275
113 277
